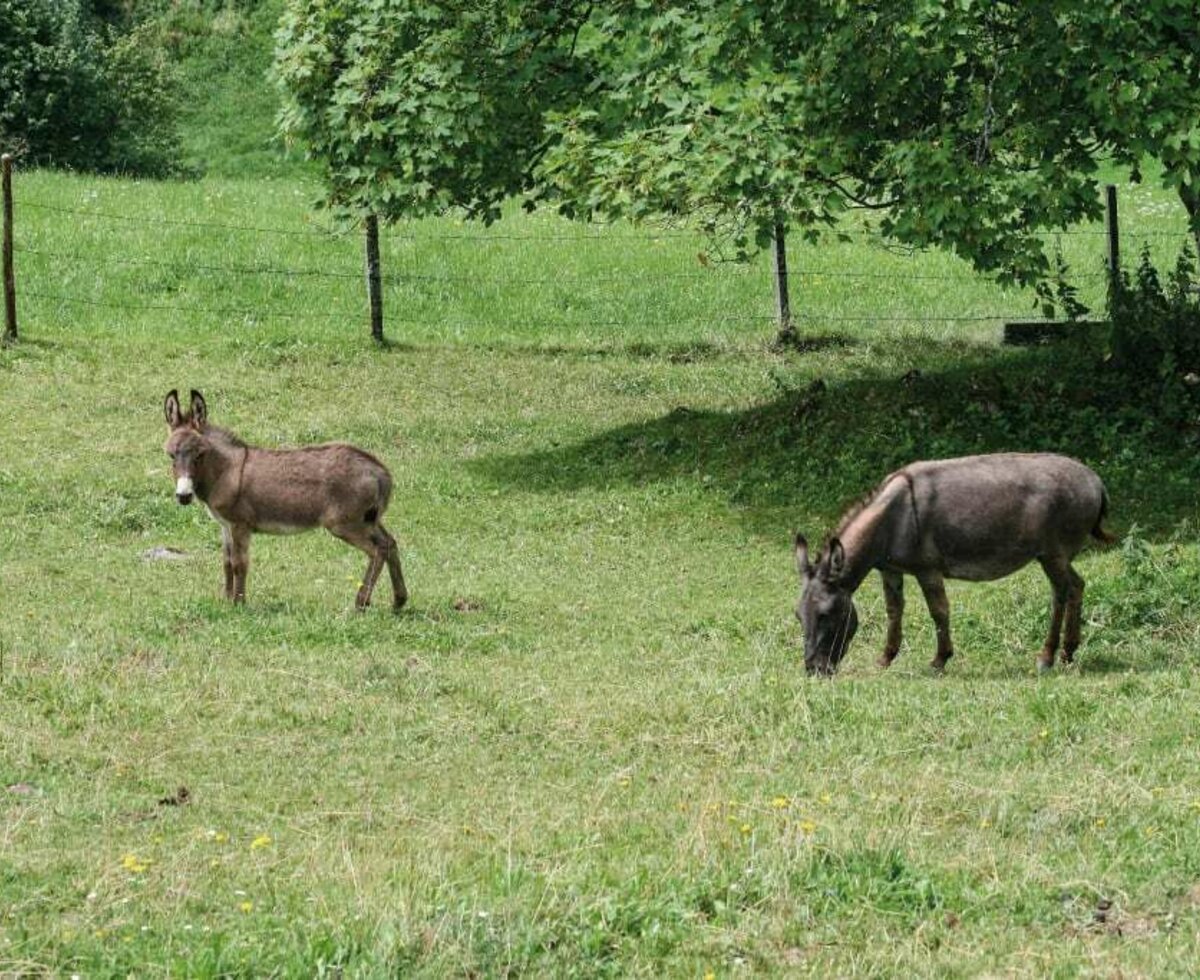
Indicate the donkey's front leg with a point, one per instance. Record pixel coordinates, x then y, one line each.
934 589
893 597
227 559
239 539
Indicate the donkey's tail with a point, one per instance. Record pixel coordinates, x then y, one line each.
1098 532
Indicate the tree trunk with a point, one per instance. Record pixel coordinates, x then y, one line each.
1190 195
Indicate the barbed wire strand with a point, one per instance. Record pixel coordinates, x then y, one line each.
402 277
355 314
650 235
394 276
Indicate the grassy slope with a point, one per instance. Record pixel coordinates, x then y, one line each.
229 103
607 757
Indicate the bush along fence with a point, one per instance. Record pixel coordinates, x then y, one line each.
785 316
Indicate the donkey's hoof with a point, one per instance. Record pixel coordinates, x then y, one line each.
399 603
1044 666
885 661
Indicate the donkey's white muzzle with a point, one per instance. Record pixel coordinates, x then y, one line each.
184 490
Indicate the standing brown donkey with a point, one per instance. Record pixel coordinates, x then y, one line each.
281 491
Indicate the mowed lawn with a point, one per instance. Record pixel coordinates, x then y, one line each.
588 745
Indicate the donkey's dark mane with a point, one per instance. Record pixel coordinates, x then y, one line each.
861 504
224 436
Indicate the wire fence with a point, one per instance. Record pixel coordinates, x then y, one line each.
754 279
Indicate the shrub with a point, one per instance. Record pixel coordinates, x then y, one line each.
77 93
1156 328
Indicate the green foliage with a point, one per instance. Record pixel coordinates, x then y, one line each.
1156 328
413 107
973 127
74 93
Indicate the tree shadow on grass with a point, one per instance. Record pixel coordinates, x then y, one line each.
799 459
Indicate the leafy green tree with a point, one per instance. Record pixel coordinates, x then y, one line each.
969 125
972 126
415 107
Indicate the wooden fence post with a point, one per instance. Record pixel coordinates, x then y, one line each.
783 309
374 279
10 282
1114 238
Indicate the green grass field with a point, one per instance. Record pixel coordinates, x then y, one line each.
588 746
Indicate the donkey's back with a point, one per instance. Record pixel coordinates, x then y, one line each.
325 485
982 517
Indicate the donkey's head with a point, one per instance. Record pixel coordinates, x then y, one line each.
826 609
186 443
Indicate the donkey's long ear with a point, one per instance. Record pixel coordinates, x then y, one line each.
199 410
171 409
802 565
835 560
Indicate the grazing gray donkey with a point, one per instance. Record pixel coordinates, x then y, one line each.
281 491
976 518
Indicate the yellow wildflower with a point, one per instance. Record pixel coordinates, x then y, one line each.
130 862
825 799
807 827
745 828
247 906
262 840
780 802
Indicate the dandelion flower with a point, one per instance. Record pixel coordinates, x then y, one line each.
780 802
262 840
807 827
745 828
826 799
1100 823
247 906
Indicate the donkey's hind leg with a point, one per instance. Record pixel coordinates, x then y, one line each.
1058 571
934 588
361 536
399 589
1074 614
